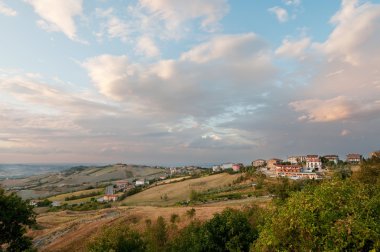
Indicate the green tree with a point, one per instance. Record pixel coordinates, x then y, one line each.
117 239
334 216
229 230
157 235
15 215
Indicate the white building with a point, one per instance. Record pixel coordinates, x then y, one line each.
226 166
313 163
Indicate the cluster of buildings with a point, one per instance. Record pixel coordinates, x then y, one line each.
234 166
309 166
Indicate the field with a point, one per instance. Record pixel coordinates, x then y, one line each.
69 230
169 194
62 197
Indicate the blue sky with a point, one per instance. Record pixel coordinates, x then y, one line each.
187 82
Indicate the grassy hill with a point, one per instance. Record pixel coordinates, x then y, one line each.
179 191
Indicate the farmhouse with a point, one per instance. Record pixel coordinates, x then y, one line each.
354 158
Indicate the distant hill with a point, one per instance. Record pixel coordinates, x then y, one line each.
78 178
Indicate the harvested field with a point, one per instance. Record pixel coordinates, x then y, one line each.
179 191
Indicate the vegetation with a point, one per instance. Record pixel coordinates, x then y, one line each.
340 214
119 238
15 215
83 195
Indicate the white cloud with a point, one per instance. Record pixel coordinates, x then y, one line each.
281 14
58 15
203 81
292 2
335 109
355 38
7 11
146 46
294 48
175 12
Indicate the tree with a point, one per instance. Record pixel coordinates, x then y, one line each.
157 235
15 215
334 216
229 230
118 238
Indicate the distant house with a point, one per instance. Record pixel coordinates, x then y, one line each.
285 169
216 168
237 167
141 182
271 163
332 158
112 197
226 166
294 172
110 194
296 159
353 158
293 159
313 162
121 185
259 163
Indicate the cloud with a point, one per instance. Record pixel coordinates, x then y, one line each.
335 109
281 14
114 27
146 46
204 80
7 11
344 76
58 15
355 38
292 2
293 48
176 12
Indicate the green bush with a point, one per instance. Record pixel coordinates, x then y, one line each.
117 239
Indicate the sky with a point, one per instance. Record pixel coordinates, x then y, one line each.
187 82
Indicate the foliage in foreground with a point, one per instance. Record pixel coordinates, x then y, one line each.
119 238
335 216
342 214
15 215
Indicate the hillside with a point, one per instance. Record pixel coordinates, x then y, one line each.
77 178
169 194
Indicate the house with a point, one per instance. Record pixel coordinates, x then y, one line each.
237 167
294 172
216 168
259 163
354 158
313 162
109 194
332 158
287 170
121 185
141 182
226 166
112 197
271 163
293 159
296 159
